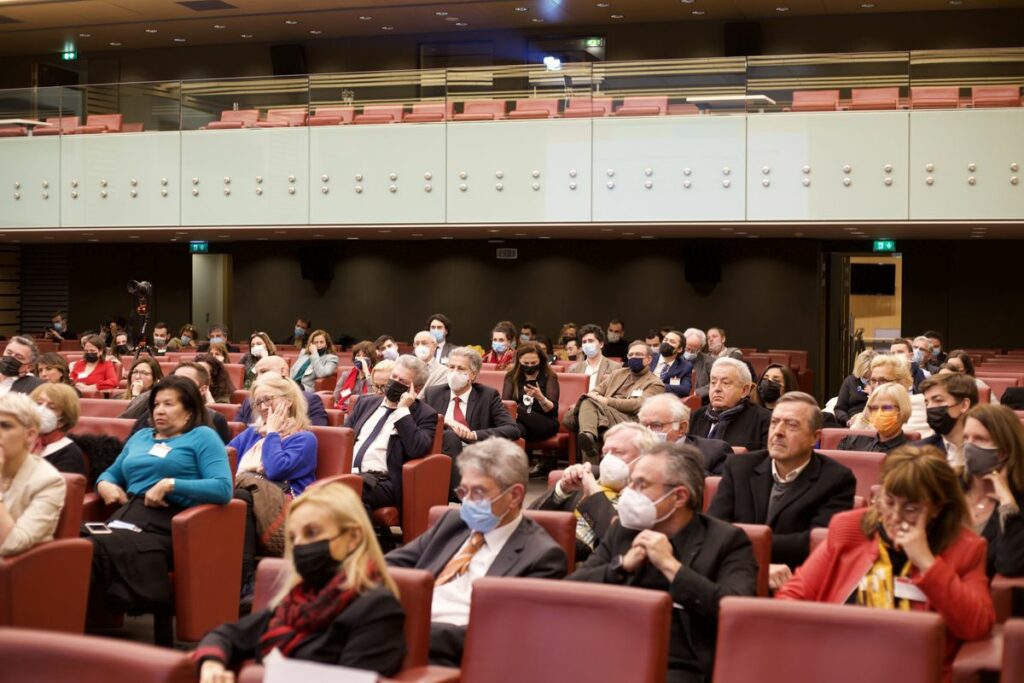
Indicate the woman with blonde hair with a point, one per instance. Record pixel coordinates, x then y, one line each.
58 413
337 604
887 410
853 394
888 367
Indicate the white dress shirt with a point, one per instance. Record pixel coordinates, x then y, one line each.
5 385
376 457
791 477
451 601
592 371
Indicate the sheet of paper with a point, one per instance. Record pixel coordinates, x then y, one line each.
280 669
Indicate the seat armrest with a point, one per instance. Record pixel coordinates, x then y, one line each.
427 674
1003 589
95 510
977 656
425 483
47 587
353 481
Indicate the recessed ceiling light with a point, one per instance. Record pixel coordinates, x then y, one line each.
868 5
417 234
219 26
451 18
522 9
606 230
85 35
461 23
290 22
647 237
537 20
262 239
314 32
351 238
492 230
628 234
687 2
388 28
520 234
115 45
280 232
447 237
616 16
223 237
133 237
247 35
151 30
602 5
365 18
179 40
93 240
798 234
697 12
383 232
317 235
544 237
956 2
781 9
441 14
726 229
740 232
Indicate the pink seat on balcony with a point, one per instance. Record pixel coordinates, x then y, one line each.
643 106
12 132
332 116
235 118
132 128
585 107
995 96
875 98
815 100
101 123
545 108
481 110
58 125
685 109
380 113
284 118
935 97
430 112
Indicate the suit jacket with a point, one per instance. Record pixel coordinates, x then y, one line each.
824 488
717 560
412 438
748 429
34 499
438 374
703 363
620 386
445 349
617 349
487 416
596 510
676 376
715 452
314 409
933 440
529 551
26 384
604 368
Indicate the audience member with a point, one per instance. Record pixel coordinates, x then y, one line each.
938 357
885 368
888 409
960 362
527 333
53 368
440 327
221 387
567 333
144 373
994 467
487 536
788 486
219 351
615 399
299 333
853 393
32 493
948 398
923 355
594 364
317 360
277 364
571 351
380 377
717 345
694 341
161 339
616 345
387 347
58 330
94 372
911 550
119 352
653 340
425 348
359 379
670 367
668 418
663 542
502 352
533 385
905 348
776 380
260 346
58 413
200 377
337 604
218 333
731 416
188 338
593 497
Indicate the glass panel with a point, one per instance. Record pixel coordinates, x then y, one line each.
529 91
121 107
245 103
673 87
377 97
950 79
21 109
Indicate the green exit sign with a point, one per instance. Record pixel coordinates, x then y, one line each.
69 55
198 247
595 42
885 245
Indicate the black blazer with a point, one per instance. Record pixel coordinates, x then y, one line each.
596 510
368 634
852 399
748 429
824 488
26 384
871 444
679 369
529 551
413 437
717 560
1005 545
715 452
487 416
933 440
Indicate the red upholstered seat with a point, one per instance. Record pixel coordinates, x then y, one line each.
537 108
492 378
101 123
570 388
832 643
866 467
643 106
815 100
104 426
760 536
995 96
331 116
333 450
998 384
481 110
429 112
585 107
13 132
235 118
380 113
283 118
1013 651
102 407
425 483
69 525
831 437
935 97
59 125
46 587
228 410
133 127
710 489
30 655
875 98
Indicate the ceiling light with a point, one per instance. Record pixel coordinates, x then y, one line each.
219 26
85 35
150 30
781 9
451 19
537 20
365 18
628 234
616 16
603 5
868 5
441 14
447 237
223 237
317 235
697 12
522 9
115 45
290 22
461 23
544 237
388 28
247 35
494 230
417 234
314 32
726 229
383 232
956 2
351 238
686 2
179 40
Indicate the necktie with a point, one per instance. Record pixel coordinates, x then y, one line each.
457 413
458 565
372 437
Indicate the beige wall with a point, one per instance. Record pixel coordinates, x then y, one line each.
878 312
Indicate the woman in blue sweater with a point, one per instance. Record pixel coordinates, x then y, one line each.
162 470
276 461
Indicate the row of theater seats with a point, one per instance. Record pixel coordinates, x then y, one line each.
72 125
921 97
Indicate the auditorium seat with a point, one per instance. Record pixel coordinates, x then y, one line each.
133 127
228 410
119 428
46 587
235 118
985 394
787 640
998 384
59 125
1013 652
759 361
335 418
760 536
69 524
101 123
535 108
643 106
284 118
1007 596
489 366
30 655
380 113
815 100
935 97
797 357
866 99
429 112
710 489
13 132
236 373
585 107
983 96
866 468
570 388
492 378
831 436
425 483
238 396
481 110
333 450
329 382
683 109
331 116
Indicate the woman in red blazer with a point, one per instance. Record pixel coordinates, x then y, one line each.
910 551
94 372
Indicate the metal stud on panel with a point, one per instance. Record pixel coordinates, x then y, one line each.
687 184
134 194
572 186
536 173
535 186
227 191
359 189
291 179
195 192
103 194
847 182
726 170
324 190
259 190
74 194
572 173
46 195
499 187
163 181
648 184
610 172
929 167
74 183
766 182
427 187
847 168
726 183
428 175
259 179
971 180
610 184
463 187
359 177
463 175
648 172
393 176
325 178
291 190
163 193
17 195
1014 180
103 183
929 180
887 181
887 168
806 169
17 185
499 174
807 182
972 167
1014 166
46 184
227 180
195 181
393 188
687 171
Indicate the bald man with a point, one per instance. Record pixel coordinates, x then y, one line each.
315 407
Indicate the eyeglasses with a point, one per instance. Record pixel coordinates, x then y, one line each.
875 382
641 485
266 400
476 494
885 408
656 426
907 511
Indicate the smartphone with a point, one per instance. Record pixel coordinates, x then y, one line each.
532 383
97 528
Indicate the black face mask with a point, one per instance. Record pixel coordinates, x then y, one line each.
91 357
940 420
666 349
571 356
314 562
769 390
121 349
530 369
394 390
10 366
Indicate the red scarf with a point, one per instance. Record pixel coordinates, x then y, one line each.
306 611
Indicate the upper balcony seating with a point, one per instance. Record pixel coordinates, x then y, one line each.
380 113
865 99
935 97
101 123
332 116
284 118
12 132
815 100
430 112
585 107
132 127
996 96
58 125
643 106
539 108
235 118
481 110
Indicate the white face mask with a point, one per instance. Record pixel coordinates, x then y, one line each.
47 420
259 351
638 512
422 352
457 381
613 336
660 436
390 353
614 472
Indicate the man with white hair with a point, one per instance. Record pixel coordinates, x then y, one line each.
731 416
425 347
694 343
669 419
277 364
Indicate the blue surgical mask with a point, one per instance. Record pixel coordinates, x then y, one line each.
935 352
636 364
217 340
478 516
524 338
499 347
590 349
438 335
299 332
390 353
689 355
58 327
918 356
185 339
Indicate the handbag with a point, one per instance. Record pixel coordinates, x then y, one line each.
270 503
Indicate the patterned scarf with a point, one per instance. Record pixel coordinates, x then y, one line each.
720 419
877 588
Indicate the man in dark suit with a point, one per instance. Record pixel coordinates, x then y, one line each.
669 419
731 416
698 560
487 536
391 430
440 327
201 378
592 496
314 405
789 487
694 341
616 345
58 330
19 358
670 367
